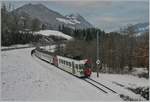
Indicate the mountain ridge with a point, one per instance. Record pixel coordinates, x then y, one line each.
52 18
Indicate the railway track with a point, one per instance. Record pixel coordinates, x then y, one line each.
100 86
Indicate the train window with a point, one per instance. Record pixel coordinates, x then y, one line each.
59 60
87 65
77 66
64 62
80 66
70 64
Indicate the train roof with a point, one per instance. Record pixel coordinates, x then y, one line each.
44 51
70 59
78 58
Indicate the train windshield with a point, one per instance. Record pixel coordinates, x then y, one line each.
87 65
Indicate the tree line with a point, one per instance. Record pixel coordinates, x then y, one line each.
119 52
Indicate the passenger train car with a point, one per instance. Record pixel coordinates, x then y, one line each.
80 68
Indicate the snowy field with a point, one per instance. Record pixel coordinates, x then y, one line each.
26 78
121 83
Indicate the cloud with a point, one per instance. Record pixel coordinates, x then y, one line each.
85 3
111 23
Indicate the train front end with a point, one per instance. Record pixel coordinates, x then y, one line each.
87 68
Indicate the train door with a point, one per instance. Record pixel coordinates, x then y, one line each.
73 68
55 61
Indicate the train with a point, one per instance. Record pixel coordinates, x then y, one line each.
79 68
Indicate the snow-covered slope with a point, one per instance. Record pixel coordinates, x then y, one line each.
70 19
53 33
26 78
79 21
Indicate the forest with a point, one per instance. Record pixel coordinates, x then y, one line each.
119 52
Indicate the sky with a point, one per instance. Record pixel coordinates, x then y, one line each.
108 15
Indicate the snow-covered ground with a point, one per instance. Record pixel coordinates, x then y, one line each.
121 83
138 71
24 77
27 78
53 33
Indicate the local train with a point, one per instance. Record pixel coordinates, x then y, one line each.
80 68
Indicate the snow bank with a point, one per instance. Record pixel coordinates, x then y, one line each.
53 33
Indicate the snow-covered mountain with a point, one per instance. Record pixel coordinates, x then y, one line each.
52 18
139 28
79 21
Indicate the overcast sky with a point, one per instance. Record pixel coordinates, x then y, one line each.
106 15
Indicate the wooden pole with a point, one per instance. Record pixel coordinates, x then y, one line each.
97 54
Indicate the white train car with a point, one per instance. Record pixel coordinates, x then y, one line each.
44 56
75 67
80 68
